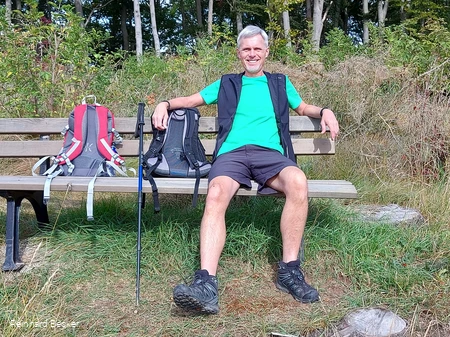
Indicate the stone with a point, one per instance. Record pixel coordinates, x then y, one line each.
372 322
392 214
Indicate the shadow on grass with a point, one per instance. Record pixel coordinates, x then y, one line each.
171 237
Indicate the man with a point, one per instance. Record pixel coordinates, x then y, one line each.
253 143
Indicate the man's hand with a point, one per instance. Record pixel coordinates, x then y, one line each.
329 119
160 116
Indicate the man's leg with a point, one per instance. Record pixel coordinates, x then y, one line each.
202 294
213 230
293 183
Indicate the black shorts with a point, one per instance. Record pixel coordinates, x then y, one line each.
250 162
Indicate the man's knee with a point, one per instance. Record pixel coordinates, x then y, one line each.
221 190
296 184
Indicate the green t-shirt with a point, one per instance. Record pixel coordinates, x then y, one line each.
254 122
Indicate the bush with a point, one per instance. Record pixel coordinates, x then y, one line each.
46 66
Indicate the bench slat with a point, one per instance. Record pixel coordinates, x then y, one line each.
316 188
130 148
126 125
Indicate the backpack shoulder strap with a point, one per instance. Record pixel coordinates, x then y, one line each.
76 146
191 120
106 135
191 123
155 148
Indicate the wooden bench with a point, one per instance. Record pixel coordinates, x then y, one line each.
39 137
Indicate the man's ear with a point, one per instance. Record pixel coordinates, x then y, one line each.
267 52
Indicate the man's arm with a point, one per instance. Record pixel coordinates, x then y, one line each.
160 115
327 119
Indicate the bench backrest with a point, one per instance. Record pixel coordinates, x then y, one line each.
24 139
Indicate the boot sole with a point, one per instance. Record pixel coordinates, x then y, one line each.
192 304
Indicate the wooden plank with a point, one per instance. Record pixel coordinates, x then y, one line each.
130 148
316 188
126 125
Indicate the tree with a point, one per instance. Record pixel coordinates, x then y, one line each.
365 21
317 24
210 16
154 28
286 24
8 11
198 4
382 12
123 25
79 7
138 29
308 10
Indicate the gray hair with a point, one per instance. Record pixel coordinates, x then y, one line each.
251 31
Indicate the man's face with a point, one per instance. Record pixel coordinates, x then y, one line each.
252 52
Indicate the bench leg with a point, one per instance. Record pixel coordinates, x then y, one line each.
40 209
12 256
13 261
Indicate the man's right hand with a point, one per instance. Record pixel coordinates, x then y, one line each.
160 116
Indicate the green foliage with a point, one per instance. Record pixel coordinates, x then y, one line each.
338 47
426 50
46 68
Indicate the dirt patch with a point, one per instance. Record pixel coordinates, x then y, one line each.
34 254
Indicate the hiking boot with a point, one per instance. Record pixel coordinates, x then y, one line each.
201 296
290 279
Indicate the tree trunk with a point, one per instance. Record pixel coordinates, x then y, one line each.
199 13
404 3
18 5
317 24
210 16
239 24
79 7
308 10
138 29
154 28
365 21
123 26
287 25
382 12
184 23
8 13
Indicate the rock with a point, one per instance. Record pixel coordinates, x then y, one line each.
392 214
372 322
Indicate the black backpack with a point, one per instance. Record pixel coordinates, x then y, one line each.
177 152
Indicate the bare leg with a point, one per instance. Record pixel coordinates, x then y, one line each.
292 182
213 230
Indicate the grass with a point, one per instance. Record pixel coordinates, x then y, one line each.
82 280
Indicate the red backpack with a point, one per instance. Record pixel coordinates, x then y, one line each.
89 148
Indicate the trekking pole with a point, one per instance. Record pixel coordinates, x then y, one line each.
139 133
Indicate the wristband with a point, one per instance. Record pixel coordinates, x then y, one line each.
168 103
321 110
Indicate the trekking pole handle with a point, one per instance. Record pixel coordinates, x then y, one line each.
140 120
